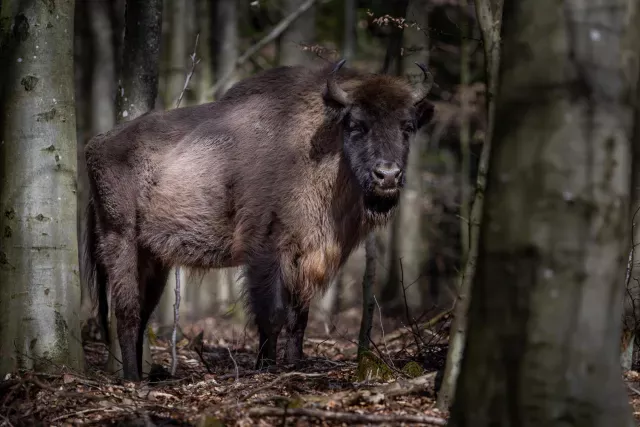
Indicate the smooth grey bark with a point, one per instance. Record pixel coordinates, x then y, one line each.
350 24
178 51
227 42
301 31
544 318
138 78
408 244
137 91
204 76
39 283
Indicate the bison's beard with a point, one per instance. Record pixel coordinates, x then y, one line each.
378 202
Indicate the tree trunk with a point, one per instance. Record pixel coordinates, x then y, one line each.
393 57
409 247
302 30
40 292
137 92
204 76
489 17
631 324
544 317
102 89
350 24
227 42
178 52
83 80
368 304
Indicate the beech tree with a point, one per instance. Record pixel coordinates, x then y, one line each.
39 281
544 317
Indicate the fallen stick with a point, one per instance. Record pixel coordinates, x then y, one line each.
281 380
400 387
349 417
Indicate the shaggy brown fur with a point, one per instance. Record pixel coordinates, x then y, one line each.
285 174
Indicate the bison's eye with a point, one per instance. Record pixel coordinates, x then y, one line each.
408 127
356 126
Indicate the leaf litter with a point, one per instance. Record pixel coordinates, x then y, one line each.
216 383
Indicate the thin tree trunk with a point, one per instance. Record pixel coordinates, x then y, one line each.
137 91
204 77
393 57
544 318
40 288
350 24
489 16
83 76
368 304
465 149
178 51
631 324
408 243
227 42
102 89
302 30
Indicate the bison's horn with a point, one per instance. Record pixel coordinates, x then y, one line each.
334 91
427 83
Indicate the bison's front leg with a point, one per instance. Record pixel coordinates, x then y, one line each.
297 317
268 299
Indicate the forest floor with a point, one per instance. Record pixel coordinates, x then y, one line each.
215 382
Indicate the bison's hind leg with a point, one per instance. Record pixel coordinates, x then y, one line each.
153 278
120 259
268 300
136 280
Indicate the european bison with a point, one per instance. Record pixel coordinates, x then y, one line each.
286 174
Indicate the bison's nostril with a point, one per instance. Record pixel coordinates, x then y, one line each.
387 174
379 174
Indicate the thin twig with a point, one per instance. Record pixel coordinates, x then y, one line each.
384 341
274 34
194 62
176 306
176 319
235 364
633 389
5 421
76 413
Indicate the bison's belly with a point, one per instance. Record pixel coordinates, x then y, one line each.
186 224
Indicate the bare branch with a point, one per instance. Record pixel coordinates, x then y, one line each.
277 30
194 62
176 318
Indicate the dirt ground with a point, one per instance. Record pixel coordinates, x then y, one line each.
215 383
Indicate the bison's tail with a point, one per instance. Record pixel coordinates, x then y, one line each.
95 277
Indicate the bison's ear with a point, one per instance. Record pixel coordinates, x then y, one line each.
424 112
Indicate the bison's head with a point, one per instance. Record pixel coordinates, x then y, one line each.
380 114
